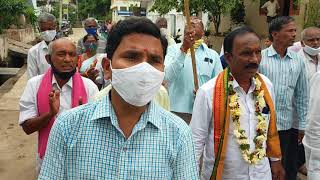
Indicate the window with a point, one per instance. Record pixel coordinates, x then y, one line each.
123 8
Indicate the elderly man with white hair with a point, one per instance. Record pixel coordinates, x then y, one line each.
310 42
36 61
311 52
59 89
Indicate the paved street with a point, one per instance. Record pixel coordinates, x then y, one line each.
77 34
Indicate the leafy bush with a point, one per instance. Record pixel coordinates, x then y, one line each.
238 12
313 14
215 8
10 10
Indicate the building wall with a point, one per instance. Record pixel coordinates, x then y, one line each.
23 35
259 22
3 47
115 7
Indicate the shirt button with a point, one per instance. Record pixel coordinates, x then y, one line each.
124 149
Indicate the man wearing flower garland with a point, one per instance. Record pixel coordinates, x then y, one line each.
233 119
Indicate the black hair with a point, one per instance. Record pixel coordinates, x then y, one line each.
133 25
270 37
277 24
86 37
228 40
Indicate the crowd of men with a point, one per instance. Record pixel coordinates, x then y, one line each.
246 121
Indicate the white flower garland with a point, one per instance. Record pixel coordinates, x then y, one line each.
259 153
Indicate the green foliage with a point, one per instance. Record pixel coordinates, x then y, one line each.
31 16
295 4
135 10
164 6
10 10
215 8
212 6
98 9
238 12
313 14
72 15
56 9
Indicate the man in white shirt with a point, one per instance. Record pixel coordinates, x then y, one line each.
162 24
36 61
59 89
237 132
311 52
310 42
311 140
271 7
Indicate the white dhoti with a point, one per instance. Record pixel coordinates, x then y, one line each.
312 161
311 140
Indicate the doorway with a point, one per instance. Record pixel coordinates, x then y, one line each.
284 7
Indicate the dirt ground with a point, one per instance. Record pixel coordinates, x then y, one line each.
18 150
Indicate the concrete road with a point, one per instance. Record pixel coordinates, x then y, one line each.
18 150
78 33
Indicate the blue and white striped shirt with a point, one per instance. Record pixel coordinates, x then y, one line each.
87 143
289 78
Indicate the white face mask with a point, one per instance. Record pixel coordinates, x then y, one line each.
49 35
138 84
311 51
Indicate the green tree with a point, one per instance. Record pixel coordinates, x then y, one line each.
313 14
215 8
238 13
10 10
98 9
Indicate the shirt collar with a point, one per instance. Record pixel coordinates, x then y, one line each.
236 85
104 108
203 46
54 81
308 57
273 52
43 45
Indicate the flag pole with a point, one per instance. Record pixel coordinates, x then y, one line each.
193 57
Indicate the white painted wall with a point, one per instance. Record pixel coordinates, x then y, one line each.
3 47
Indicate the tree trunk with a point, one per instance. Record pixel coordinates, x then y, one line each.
217 21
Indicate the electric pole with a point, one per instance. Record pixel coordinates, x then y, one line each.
60 14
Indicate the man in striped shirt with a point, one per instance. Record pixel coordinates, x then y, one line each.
286 70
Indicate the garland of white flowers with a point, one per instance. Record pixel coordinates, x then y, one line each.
259 153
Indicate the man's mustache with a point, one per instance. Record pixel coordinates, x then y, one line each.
252 66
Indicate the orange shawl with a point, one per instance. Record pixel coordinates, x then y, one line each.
221 123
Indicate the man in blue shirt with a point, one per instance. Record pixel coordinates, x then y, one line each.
125 135
179 72
286 69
